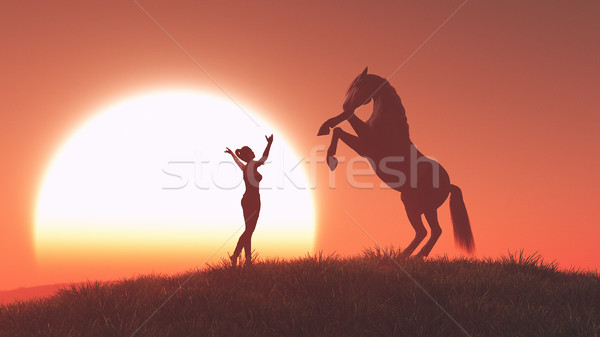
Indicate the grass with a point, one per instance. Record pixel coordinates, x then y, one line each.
365 295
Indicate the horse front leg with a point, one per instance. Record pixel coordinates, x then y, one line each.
334 121
352 141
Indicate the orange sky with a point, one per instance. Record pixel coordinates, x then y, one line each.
504 96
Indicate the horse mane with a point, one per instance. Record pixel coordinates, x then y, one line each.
383 87
352 85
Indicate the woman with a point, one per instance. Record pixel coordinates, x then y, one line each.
251 198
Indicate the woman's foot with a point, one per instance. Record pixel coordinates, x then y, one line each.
233 259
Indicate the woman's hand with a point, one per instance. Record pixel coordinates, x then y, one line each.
228 150
269 139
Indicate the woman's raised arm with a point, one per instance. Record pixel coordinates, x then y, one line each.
263 159
235 158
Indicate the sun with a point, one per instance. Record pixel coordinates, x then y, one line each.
144 185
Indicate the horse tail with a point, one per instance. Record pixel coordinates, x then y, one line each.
460 220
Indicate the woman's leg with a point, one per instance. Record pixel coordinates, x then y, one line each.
251 208
251 218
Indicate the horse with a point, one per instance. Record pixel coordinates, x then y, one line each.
384 140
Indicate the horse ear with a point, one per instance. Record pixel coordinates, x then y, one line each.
365 71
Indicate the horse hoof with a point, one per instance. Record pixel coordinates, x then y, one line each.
332 162
324 130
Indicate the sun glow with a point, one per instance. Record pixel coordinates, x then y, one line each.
147 178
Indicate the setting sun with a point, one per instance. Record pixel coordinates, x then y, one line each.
146 180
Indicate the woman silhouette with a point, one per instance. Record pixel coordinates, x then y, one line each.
251 198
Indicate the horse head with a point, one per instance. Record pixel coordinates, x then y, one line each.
362 90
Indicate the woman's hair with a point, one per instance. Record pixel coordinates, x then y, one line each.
243 153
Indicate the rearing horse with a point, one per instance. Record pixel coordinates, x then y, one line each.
384 140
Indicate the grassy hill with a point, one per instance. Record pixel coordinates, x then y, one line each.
8 296
366 295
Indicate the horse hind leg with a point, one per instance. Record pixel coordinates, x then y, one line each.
436 232
414 217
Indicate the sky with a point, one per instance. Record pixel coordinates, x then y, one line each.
503 94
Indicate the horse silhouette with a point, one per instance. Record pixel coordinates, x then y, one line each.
384 140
